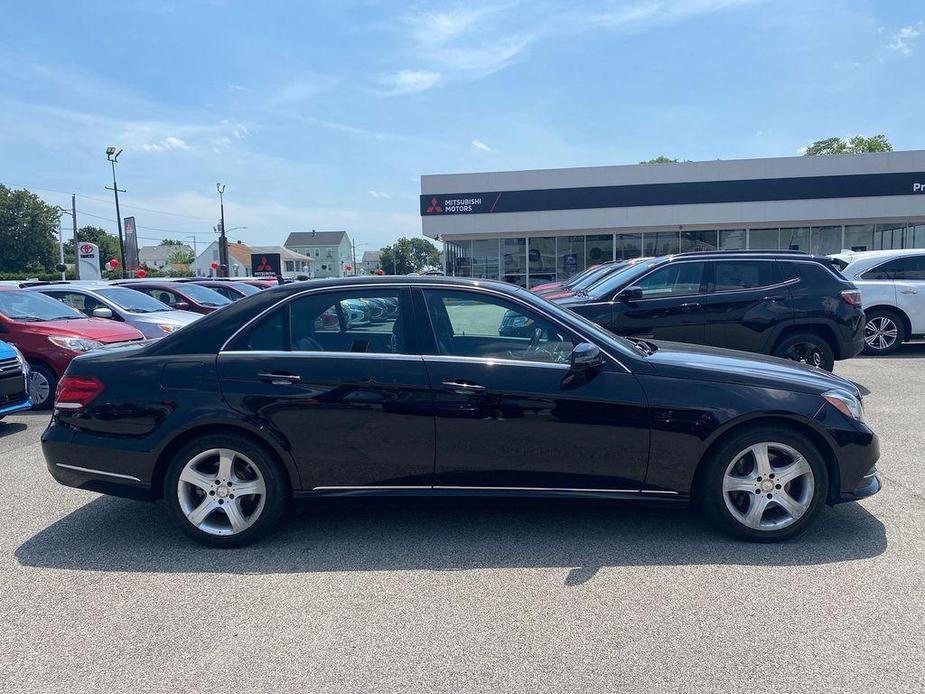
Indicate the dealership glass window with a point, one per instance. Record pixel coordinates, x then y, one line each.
731 239
459 258
541 259
764 238
795 239
888 236
661 243
598 249
514 261
570 254
698 241
485 260
826 240
628 246
918 236
859 237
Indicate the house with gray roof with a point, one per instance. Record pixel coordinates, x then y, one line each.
331 250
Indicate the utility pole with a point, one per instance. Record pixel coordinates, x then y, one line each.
222 239
195 250
112 155
76 250
61 248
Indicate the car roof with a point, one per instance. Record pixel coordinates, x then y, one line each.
863 260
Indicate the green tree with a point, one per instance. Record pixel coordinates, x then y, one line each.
661 159
181 256
108 243
408 255
171 242
28 232
853 145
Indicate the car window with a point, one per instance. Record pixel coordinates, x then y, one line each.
729 275
470 324
163 296
675 279
905 268
812 275
82 302
267 334
356 321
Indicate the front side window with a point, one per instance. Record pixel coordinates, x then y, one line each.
81 302
469 324
730 275
676 279
906 268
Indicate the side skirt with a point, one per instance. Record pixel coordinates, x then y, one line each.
650 496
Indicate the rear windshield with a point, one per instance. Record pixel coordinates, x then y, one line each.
203 295
245 289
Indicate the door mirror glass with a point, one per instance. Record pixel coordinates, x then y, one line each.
181 306
630 294
102 313
586 357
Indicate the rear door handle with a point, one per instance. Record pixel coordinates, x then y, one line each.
279 379
774 297
908 291
691 306
463 387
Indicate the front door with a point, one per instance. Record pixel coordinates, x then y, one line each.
671 306
339 377
910 290
510 414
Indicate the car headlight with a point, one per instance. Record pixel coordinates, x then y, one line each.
167 327
74 344
846 403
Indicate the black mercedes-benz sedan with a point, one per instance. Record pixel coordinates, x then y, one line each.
280 396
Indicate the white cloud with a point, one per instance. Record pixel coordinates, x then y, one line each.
378 194
481 146
409 81
167 143
904 39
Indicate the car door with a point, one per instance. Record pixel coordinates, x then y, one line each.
511 414
352 402
909 281
669 304
747 304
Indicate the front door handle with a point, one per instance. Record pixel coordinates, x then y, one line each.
908 291
463 387
691 306
279 379
774 297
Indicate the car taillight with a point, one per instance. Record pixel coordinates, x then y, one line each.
852 296
76 392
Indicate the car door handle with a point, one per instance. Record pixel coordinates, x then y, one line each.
279 379
690 306
463 387
908 291
773 297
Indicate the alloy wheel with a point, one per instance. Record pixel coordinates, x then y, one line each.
39 388
768 486
880 333
221 492
805 353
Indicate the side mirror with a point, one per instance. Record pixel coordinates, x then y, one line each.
181 306
630 294
586 357
102 312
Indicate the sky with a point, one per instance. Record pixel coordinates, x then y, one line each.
323 115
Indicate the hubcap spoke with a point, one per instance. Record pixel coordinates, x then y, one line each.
232 509
248 488
197 479
756 507
201 512
739 484
789 504
225 462
797 468
762 460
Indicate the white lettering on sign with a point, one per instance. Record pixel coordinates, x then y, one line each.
461 204
918 187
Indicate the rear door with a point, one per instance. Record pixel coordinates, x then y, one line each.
748 304
909 281
352 401
671 307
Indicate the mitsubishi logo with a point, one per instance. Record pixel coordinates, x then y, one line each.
264 265
434 207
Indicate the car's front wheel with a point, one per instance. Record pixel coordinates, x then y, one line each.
807 348
764 485
224 490
884 332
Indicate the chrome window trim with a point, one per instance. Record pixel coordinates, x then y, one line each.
492 361
98 472
329 355
404 285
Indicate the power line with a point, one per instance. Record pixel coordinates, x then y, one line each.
139 226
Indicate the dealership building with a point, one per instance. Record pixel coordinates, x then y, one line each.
529 227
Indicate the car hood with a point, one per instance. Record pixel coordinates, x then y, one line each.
679 360
174 317
99 329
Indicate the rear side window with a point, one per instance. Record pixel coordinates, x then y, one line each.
906 268
730 275
268 334
811 275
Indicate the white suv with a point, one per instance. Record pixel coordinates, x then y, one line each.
892 285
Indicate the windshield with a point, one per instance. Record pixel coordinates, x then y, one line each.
32 306
203 295
132 301
599 274
609 284
246 289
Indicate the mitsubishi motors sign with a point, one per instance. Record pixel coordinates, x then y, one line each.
265 265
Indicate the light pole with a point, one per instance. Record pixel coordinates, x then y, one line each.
222 239
64 211
112 156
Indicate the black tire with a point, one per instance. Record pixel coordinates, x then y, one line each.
276 498
711 496
807 348
883 327
52 381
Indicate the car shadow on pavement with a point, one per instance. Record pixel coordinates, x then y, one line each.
9 428
110 534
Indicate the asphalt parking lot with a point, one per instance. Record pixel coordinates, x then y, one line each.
102 594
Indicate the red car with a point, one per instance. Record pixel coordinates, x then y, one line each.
50 334
229 289
182 296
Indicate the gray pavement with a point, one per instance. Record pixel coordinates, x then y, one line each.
102 594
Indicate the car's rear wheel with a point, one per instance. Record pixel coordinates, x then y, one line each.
42 385
223 490
764 485
884 332
807 348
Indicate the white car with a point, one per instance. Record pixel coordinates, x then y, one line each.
892 285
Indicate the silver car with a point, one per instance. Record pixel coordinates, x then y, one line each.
100 300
